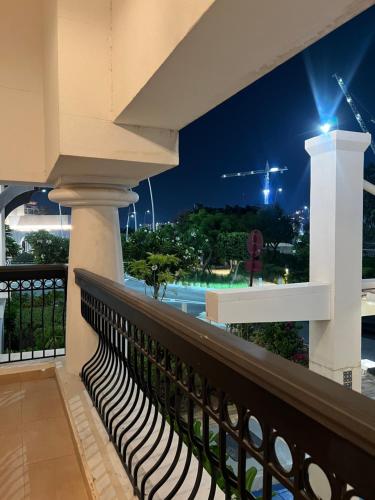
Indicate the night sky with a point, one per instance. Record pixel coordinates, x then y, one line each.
269 120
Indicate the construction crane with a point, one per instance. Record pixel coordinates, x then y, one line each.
266 172
353 106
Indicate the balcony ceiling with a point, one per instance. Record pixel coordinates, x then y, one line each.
228 49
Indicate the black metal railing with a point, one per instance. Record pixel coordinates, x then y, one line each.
194 412
32 303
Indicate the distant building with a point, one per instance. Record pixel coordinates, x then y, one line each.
31 218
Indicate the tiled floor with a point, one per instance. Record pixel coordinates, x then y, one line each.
37 456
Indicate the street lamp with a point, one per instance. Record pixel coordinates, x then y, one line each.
144 217
278 191
130 216
152 204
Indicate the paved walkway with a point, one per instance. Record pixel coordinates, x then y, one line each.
37 456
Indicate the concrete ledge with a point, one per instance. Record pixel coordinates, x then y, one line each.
102 468
36 368
294 302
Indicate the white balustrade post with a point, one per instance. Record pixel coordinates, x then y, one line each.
95 245
336 213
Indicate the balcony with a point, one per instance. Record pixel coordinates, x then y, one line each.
166 407
123 396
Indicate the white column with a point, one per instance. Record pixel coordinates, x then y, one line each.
95 245
336 212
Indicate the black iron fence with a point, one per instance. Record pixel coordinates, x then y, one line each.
194 412
32 312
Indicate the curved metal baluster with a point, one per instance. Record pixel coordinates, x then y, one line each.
86 370
158 462
109 397
182 431
128 400
223 446
102 368
137 376
123 405
198 446
206 444
160 483
152 449
144 439
123 389
93 376
127 415
112 357
139 429
182 478
112 385
90 374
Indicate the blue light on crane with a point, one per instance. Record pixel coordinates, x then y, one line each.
325 127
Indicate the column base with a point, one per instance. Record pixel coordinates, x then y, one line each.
350 377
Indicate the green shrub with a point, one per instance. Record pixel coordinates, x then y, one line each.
279 338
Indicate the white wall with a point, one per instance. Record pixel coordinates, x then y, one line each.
21 90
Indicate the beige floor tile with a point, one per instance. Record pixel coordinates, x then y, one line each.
46 439
37 374
58 479
37 456
11 467
32 386
12 481
10 412
11 387
41 405
9 378
11 451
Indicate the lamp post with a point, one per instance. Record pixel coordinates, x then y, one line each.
144 217
152 204
130 216
135 218
278 190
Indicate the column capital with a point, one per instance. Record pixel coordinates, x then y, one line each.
342 140
93 195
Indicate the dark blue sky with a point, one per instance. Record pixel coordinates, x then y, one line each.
270 119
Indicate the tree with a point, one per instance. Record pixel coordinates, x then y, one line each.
24 258
233 248
38 324
48 248
12 247
299 271
207 224
369 208
157 271
276 226
165 240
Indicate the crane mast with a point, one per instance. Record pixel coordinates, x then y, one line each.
353 107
